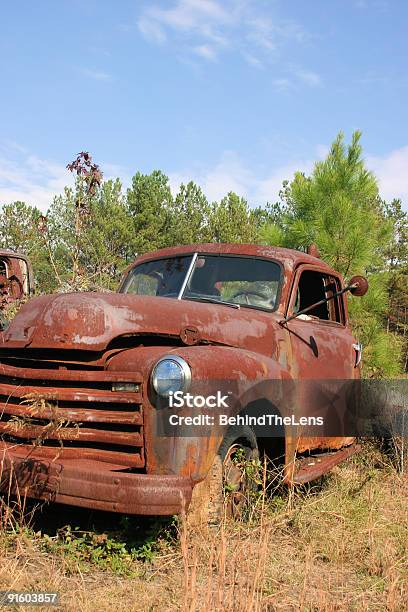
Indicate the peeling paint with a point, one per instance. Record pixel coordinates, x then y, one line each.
69 351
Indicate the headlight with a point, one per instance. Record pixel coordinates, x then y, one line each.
171 373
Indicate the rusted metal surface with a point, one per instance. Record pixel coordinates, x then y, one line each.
92 484
91 321
82 412
313 467
62 357
16 277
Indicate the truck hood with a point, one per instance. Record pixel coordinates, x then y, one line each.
90 321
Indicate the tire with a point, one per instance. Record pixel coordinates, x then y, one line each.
224 490
234 434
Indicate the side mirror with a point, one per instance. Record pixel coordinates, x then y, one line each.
358 285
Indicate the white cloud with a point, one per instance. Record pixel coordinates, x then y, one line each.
206 51
392 174
309 78
99 51
295 78
206 28
30 179
229 174
232 174
37 181
201 17
114 171
293 31
252 60
96 75
262 33
283 85
267 189
151 30
189 14
379 5
27 177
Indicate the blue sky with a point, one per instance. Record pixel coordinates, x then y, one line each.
233 94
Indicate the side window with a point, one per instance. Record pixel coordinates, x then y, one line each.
314 287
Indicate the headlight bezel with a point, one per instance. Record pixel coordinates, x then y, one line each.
185 371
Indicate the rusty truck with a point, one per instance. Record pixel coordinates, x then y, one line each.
85 378
16 277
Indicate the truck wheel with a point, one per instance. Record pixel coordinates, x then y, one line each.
227 487
237 449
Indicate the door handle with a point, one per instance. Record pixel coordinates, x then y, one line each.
358 347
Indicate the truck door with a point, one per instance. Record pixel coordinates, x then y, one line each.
323 354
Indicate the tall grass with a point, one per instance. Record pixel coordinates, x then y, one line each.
339 544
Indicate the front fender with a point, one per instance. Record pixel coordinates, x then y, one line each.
190 452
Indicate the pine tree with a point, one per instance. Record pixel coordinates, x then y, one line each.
231 220
149 201
189 216
338 207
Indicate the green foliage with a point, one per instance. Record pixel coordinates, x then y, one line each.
106 243
396 250
116 550
333 208
110 242
272 235
396 256
189 217
19 230
231 220
87 548
19 227
148 200
93 231
382 350
338 208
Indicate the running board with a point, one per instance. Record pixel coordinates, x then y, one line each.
314 466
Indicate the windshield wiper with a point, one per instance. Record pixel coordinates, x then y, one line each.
211 301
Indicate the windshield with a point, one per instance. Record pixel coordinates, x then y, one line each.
238 281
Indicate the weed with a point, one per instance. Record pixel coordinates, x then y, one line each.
339 545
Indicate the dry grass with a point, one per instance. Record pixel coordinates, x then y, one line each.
341 545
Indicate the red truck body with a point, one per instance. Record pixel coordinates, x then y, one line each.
16 277
77 413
